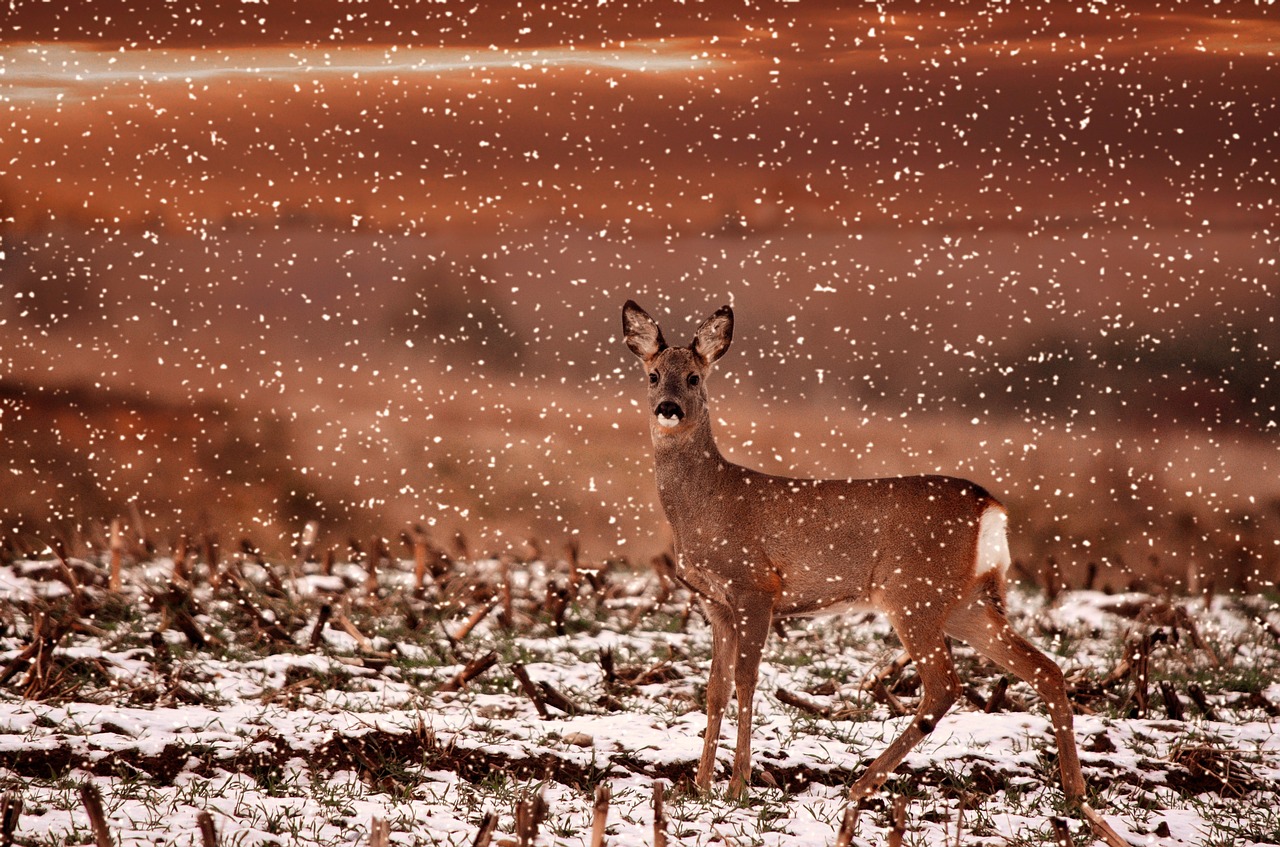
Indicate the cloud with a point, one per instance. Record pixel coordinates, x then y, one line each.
82 71
815 112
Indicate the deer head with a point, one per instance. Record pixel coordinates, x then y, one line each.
677 375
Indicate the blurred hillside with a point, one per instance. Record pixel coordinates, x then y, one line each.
1117 387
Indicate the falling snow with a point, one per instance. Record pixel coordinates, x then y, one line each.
265 265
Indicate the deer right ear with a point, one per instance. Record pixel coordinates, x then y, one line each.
641 331
711 341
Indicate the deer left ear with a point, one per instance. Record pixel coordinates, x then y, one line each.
641 332
711 341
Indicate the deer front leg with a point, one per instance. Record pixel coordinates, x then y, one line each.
753 618
724 651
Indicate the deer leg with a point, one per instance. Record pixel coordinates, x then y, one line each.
983 625
754 617
724 652
927 646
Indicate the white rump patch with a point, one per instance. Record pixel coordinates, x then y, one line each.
993 541
668 421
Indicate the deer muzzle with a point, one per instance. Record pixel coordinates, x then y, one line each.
669 414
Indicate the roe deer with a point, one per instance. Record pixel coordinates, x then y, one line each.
929 552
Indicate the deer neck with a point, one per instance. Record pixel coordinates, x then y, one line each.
686 463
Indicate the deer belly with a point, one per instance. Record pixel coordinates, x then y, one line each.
822 608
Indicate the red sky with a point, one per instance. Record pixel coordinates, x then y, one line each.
653 116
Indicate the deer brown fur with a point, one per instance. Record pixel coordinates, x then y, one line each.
929 552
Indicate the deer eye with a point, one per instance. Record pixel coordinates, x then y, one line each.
653 378
694 379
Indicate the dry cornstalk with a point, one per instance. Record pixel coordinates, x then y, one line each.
507 616
899 817
882 676
688 613
659 814
184 623
1202 702
530 690
208 835
473 669
487 826
419 562
1172 703
20 661
600 816
250 552
66 574
91 797
882 694
532 550
362 640
1140 664
1258 701
552 697
181 550
996 700
556 605
476 616
1101 828
160 651
379 833
572 552
1025 574
139 527
974 696
10 811
211 559
805 705
665 567
848 824
1141 676
530 811
721 837
38 655
241 589
1053 583
606 664
117 554
322 619
377 552
306 546
273 580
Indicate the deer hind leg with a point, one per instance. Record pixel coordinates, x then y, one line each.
981 622
754 615
928 648
724 652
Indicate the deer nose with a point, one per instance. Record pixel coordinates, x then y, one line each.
669 413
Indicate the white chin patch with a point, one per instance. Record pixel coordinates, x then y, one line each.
668 422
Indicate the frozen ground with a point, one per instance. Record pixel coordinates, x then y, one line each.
288 729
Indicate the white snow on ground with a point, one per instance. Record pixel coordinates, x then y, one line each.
299 746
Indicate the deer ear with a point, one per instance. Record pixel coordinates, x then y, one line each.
711 341
641 331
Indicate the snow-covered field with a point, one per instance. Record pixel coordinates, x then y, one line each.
315 707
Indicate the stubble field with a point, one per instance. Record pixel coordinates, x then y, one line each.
423 696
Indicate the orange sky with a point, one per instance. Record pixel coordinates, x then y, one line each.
788 114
